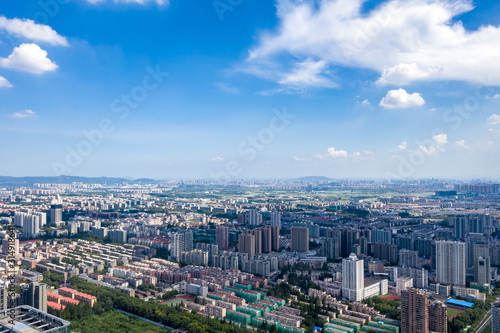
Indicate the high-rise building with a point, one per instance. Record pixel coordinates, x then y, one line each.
72 228
13 244
56 214
275 238
266 239
120 236
495 317
276 219
4 297
31 227
180 242
438 318
43 218
254 217
460 227
258 239
414 311
450 262
353 278
408 258
222 237
300 239
35 295
246 243
482 270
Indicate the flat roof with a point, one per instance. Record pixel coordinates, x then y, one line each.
459 302
30 320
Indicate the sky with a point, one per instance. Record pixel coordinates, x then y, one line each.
231 89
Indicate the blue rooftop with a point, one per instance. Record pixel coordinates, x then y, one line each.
459 303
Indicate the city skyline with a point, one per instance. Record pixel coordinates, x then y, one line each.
172 90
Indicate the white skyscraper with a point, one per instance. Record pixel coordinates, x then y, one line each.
31 227
276 218
353 278
450 262
42 217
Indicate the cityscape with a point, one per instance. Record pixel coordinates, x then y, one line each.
286 166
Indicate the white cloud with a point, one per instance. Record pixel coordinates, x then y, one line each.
299 159
140 2
365 155
494 120
403 145
29 58
226 87
24 114
332 152
307 74
217 159
29 29
4 83
461 144
404 41
496 96
429 150
400 99
440 139
403 74
366 102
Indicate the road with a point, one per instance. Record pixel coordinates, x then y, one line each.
482 325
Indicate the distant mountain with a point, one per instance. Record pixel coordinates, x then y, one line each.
27 181
314 179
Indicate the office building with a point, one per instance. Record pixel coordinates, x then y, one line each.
300 239
482 269
276 219
56 214
353 278
450 262
181 242
414 311
222 237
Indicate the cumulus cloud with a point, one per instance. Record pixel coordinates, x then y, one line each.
440 139
366 102
24 114
29 58
217 159
494 120
400 99
403 145
32 31
404 41
461 144
365 155
332 152
4 83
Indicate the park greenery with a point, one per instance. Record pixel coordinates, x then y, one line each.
109 298
386 307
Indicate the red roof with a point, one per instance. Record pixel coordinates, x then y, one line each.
56 306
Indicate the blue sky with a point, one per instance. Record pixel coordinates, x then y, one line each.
386 89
